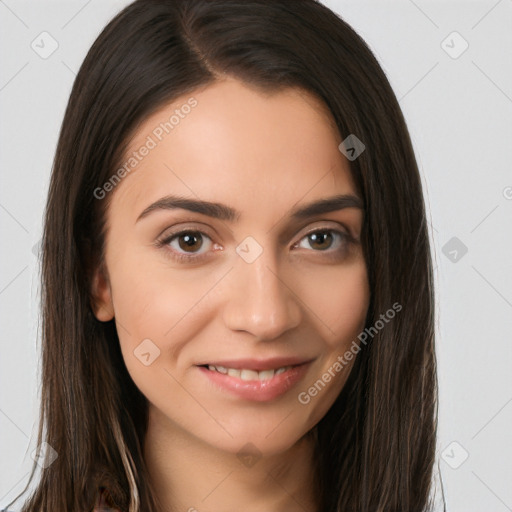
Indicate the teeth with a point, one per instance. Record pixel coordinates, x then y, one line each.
248 374
266 374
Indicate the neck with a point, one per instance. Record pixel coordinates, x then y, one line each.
190 475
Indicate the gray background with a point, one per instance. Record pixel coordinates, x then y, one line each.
459 112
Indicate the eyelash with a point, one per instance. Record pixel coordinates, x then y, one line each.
345 241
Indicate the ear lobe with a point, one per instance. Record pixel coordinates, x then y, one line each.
101 295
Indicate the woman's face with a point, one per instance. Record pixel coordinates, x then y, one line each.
235 307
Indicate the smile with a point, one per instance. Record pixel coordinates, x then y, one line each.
246 374
254 383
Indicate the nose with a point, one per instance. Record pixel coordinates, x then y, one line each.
260 301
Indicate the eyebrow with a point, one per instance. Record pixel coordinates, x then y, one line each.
223 212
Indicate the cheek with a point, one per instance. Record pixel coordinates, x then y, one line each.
339 303
154 312
157 303
341 308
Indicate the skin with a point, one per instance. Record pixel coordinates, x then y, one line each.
262 154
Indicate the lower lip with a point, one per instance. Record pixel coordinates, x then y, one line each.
257 390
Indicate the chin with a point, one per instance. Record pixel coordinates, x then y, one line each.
260 434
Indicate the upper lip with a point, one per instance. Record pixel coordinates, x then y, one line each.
258 364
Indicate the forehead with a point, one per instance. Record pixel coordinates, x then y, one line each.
231 143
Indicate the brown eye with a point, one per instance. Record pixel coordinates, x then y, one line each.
320 240
324 240
190 241
188 244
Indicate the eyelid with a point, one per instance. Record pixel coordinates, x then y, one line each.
186 226
345 232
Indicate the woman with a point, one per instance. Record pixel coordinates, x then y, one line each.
238 306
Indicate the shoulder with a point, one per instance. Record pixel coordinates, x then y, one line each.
104 502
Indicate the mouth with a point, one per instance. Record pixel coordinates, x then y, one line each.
246 374
256 380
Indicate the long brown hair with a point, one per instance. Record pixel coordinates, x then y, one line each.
376 445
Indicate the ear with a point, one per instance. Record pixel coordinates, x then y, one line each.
101 295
